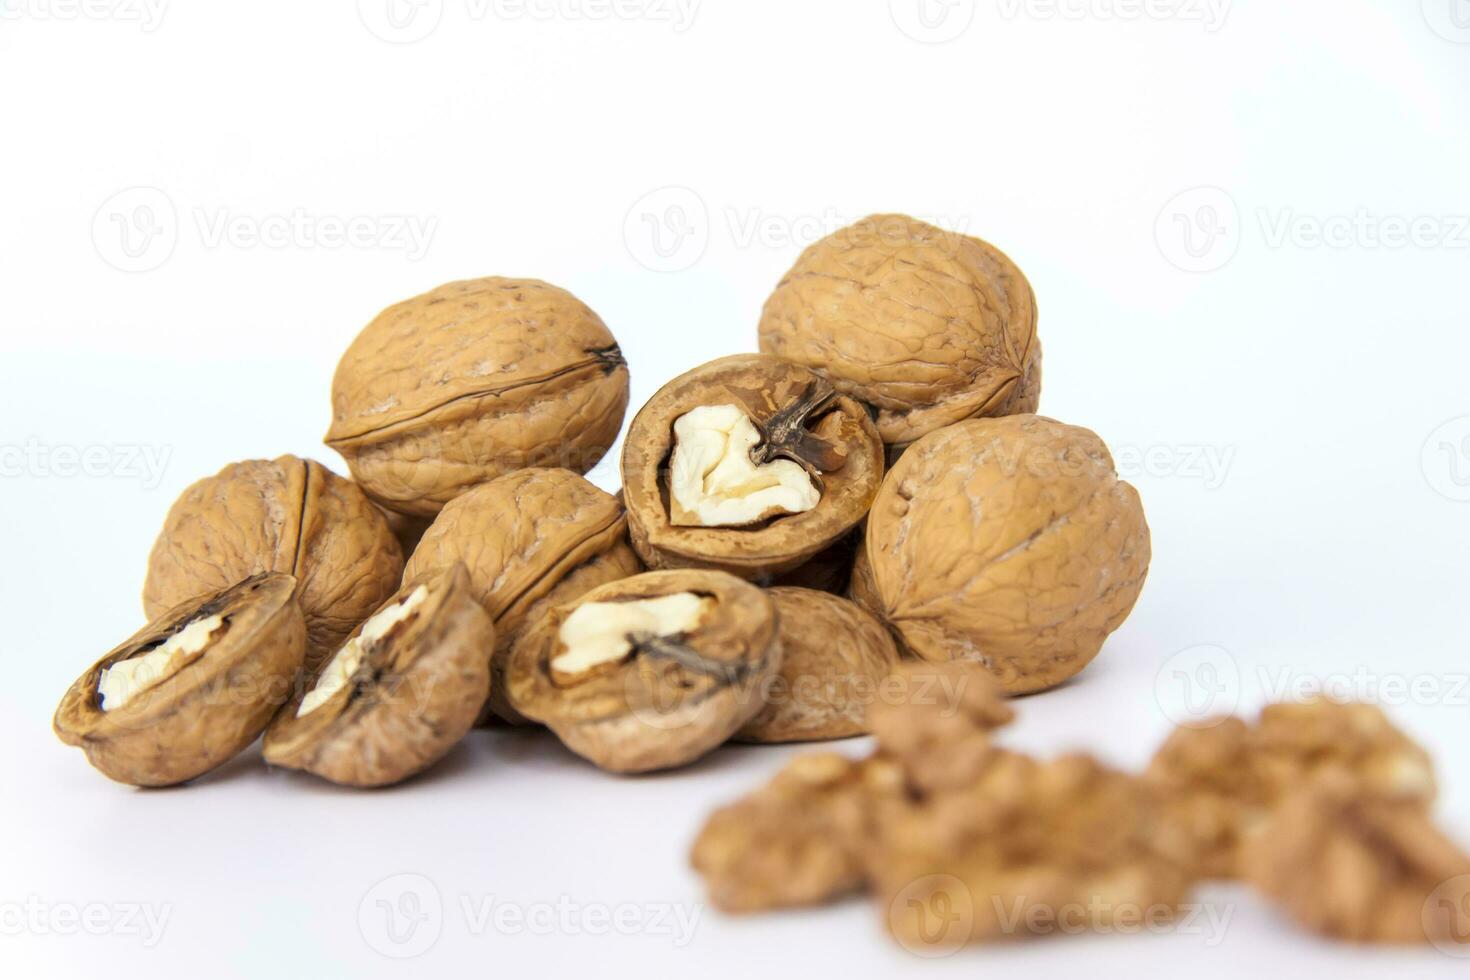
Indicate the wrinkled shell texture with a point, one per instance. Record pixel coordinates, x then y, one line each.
928 326
212 708
1009 541
471 381
1223 779
650 713
529 540
421 691
762 386
284 515
834 655
1352 865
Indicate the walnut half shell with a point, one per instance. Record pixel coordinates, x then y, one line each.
410 697
206 706
657 698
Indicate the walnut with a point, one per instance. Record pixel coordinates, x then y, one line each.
529 540
834 657
1010 542
192 689
928 326
650 672
1222 779
935 720
748 465
473 380
402 691
1349 863
1028 848
286 515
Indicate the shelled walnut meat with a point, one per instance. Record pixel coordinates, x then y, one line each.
192 689
928 326
286 515
748 465
529 540
650 672
399 694
834 657
471 381
1010 542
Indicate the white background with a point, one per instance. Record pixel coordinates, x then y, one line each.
1210 200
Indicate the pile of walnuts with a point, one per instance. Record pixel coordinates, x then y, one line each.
1322 806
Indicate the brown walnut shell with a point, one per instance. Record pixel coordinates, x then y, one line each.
834 657
662 706
529 540
209 710
286 515
771 392
1008 541
473 380
413 697
926 325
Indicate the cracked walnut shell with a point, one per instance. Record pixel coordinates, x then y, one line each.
1010 542
398 696
748 465
928 326
192 689
473 380
834 657
529 540
286 515
650 672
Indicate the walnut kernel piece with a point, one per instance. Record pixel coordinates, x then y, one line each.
400 693
471 381
1008 541
674 698
208 703
1349 863
287 515
699 499
599 635
928 326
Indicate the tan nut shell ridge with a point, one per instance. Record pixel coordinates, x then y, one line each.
286 515
928 326
834 656
646 714
212 708
529 540
473 380
421 691
761 385
1008 541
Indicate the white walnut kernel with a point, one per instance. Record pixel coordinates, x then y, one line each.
126 679
344 664
715 483
599 634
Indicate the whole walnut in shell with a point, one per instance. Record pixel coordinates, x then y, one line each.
192 689
473 380
286 515
403 690
834 657
748 465
1008 541
926 325
529 540
650 672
